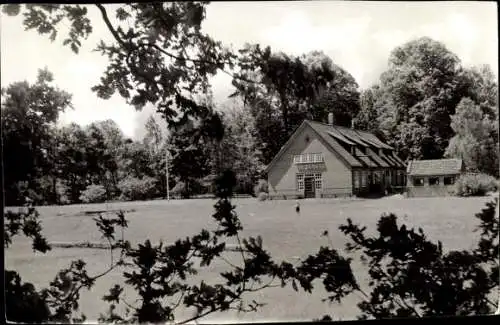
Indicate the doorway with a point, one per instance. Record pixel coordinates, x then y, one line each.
309 188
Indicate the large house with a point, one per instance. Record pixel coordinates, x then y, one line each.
325 160
434 177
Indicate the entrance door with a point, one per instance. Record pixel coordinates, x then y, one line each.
309 188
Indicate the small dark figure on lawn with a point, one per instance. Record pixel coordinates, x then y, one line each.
297 206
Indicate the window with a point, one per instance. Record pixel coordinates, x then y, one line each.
418 181
450 180
363 178
308 158
357 179
300 182
318 181
433 181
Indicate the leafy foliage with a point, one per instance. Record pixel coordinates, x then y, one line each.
472 184
241 147
137 188
420 91
29 113
281 91
476 137
28 223
262 196
412 276
93 194
159 55
58 302
261 187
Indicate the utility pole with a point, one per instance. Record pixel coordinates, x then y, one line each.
166 166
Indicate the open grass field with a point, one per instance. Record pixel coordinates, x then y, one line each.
285 234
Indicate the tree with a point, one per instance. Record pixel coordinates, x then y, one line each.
482 88
420 90
156 144
241 147
113 141
476 137
367 117
159 54
71 165
29 114
189 159
410 275
333 89
282 91
135 160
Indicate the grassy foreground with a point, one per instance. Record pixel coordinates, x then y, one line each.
285 234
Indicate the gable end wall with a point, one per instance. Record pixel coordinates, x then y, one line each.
337 178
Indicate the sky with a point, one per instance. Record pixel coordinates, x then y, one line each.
357 35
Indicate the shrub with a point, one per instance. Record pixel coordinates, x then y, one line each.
93 194
261 187
475 185
62 193
193 187
137 188
262 196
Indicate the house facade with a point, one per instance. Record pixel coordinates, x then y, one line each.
434 177
325 160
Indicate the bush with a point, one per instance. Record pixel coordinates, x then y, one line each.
475 185
137 188
184 191
93 194
62 193
261 187
262 196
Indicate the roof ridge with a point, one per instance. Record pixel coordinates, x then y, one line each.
336 126
419 160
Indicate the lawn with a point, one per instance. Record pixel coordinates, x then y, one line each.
285 234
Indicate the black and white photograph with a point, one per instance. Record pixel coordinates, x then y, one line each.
249 161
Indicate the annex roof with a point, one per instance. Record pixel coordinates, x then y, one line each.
435 167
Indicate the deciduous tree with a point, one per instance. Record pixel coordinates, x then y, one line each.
29 114
476 137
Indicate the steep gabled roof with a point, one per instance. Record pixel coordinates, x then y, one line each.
334 135
397 159
334 146
390 161
323 130
435 167
381 162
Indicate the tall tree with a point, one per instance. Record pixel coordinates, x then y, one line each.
476 137
420 89
29 113
155 141
367 117
284 90
189 159
331 89
241 147
72 168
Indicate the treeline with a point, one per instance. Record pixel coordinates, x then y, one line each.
94 163
426 104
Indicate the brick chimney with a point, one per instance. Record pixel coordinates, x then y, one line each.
330 118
